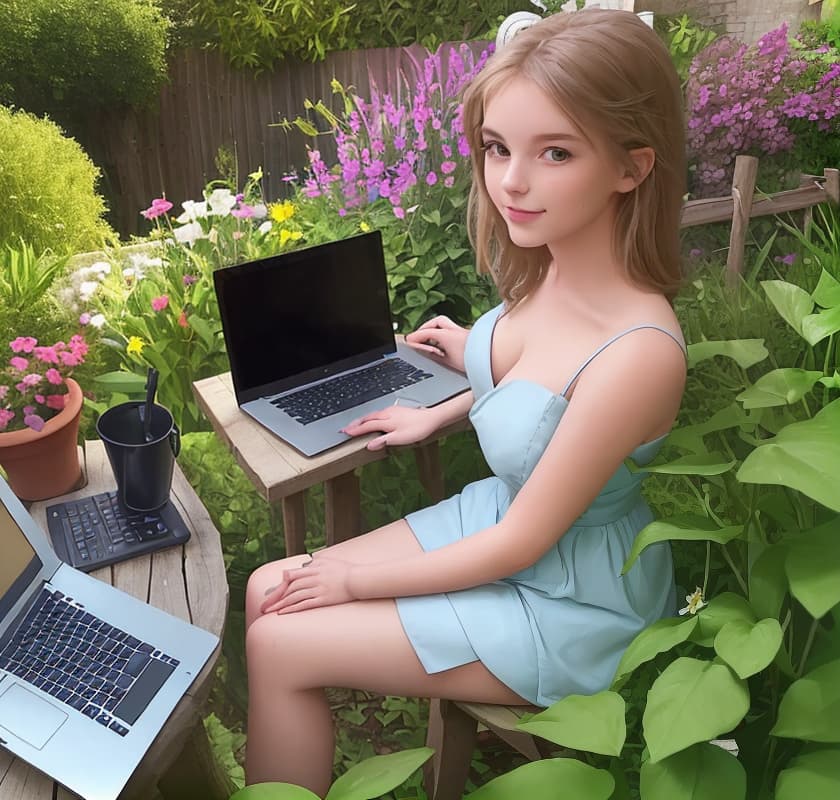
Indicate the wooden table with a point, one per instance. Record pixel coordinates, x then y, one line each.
188 581
282 474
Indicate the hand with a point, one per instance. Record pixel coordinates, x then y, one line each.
322 581
400 425
441 339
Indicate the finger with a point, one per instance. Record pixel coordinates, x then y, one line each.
303 605
379 443
295 598
430 349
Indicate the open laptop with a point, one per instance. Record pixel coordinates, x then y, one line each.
311 342
88 674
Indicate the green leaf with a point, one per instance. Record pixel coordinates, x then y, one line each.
767 581
274 791
692 701
540 780
810 706
583 722
804 455
813 568
203 329
791 301
379 774
811 776
827 293
816 327
690 436
688 527
699 464
703 772
745 352
650 642
749 647
723 608
126 382
779 387
833 382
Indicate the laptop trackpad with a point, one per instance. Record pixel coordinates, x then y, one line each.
28 716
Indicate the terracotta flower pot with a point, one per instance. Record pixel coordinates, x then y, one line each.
45 463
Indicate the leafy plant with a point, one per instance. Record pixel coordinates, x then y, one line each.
50 188
685 38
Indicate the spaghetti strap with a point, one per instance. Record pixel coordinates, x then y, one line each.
615 338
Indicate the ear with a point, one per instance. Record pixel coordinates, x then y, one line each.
643 160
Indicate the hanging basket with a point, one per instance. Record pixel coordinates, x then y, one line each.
45 463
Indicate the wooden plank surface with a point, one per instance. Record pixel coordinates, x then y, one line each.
188 581
276 469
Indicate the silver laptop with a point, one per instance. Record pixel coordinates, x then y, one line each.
311 342
88 674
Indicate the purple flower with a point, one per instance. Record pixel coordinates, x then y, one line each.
431 179
787 260
189 280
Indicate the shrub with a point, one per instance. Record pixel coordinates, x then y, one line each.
67 57
49 188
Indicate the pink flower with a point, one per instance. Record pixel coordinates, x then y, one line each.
182 320
54 377
56 401
160 303
34 421
189 280
399 212
159 206
70 359
243 212
448 167
32 379
19 363
39 398
84 319
5 418
23 344
49 355
431 179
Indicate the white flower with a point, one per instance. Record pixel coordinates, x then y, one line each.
97 320
187 234
213 236
87 288
141 261
695 602
220 202
260 211
192 211
100 269
265 227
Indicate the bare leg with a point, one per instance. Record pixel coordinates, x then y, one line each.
360 645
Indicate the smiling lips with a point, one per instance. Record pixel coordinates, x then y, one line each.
520 215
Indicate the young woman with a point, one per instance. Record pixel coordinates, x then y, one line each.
511 591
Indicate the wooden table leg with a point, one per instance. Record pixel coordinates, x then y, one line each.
342 508
294 522
428 470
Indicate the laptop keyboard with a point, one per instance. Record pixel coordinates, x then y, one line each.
96 668
97 530
346 391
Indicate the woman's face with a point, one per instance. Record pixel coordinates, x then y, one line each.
548 182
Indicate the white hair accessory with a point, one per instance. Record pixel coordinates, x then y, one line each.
511 25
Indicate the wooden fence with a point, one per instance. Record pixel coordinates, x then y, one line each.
171 147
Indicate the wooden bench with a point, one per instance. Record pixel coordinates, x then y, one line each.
188 581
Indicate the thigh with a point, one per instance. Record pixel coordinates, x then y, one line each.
358 645
390 541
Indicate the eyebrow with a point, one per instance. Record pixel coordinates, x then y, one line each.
540 137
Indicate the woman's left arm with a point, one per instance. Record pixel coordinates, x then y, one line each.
620 401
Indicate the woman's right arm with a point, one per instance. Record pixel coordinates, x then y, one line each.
401 425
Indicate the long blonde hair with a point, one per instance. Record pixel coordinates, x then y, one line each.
610 74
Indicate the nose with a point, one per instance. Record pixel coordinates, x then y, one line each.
514 179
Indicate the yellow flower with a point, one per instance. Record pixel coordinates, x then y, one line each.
135 345
695 602
287 235
280 212
364 227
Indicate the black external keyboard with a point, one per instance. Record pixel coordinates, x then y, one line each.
96 668
95 531
346 391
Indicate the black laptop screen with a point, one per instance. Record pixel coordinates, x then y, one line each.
19 564
288 318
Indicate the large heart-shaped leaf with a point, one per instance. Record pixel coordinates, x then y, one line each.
274 791
749 647
813 567
379 774
768 584
703 772
779 387
583 722
804 455
723 608
692 701
827 293
690 437
816 327
745 352
650 642
811 706
811 776
688 528
543 780
791 301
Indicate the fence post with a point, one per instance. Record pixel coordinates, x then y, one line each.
743 190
